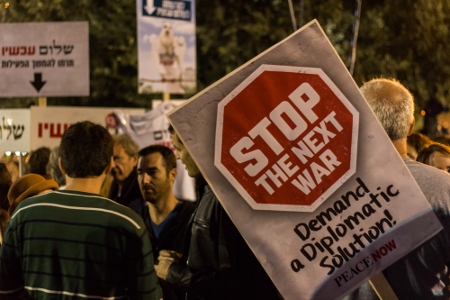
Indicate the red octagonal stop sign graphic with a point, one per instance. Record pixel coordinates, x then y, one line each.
286 138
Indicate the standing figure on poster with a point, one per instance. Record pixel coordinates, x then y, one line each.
168 51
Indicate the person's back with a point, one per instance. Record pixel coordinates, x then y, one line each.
75 244
424 272
78 243
426 269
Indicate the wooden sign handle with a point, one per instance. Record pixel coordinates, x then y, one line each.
382 287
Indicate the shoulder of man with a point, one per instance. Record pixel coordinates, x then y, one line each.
435 186
429 179
185 206
81 201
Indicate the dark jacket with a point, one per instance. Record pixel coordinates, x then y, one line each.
130 195
217 263
171 238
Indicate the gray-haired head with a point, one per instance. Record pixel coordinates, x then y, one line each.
129 145
392 104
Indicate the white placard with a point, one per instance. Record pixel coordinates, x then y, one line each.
15 130
44 59
376 216
167 59
48 123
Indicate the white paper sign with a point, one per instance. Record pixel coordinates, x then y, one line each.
44 59
48 123
15 130
167 59
373 217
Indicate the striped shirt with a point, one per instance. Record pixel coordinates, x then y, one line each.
75 245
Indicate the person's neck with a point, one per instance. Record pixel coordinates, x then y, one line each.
162 208
401 147
87 185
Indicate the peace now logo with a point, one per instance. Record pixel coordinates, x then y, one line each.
286 138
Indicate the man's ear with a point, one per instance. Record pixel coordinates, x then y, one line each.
136 158
173 174
411 127
109 166
61 167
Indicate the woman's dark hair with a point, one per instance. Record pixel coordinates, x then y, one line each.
5 184
418 141
425 153
38 161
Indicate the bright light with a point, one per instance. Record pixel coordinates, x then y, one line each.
423 113
8 153
17 153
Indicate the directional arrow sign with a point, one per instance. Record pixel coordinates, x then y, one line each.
59 50
38 83
149 8
167 9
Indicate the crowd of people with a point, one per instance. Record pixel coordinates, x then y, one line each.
97 218
101 221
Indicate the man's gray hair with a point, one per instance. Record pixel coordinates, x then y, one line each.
392 104
53 167
129 145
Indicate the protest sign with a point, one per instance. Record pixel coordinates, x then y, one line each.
48 123
322 174
166 46
15 130
359 205
44 59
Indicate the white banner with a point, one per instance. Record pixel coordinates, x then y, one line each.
44 59
15 130
166 46
291 123
48 123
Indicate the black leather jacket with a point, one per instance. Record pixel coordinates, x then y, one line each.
218 264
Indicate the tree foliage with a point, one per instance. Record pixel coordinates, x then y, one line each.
407 44
395 40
